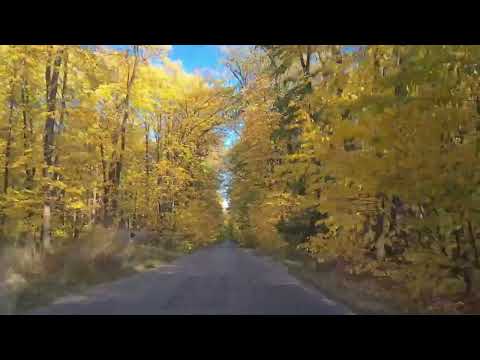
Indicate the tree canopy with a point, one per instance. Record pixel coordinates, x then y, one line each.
93 135
367 156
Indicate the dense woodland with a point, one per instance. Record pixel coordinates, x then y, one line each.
92 135
363 156
366 156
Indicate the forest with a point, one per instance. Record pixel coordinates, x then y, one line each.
361 156
95 139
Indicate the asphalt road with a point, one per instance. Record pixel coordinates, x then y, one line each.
223 279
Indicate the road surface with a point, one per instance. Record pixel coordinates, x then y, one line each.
223 279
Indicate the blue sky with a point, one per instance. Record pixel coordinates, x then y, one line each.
195 57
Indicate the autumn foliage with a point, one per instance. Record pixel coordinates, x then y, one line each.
96 136
366 155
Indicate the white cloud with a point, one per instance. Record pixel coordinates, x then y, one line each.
209 73
224 49
234 49
166 48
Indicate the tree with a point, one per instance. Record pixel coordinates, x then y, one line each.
374 155
125 142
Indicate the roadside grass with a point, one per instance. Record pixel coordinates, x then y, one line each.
372 294
364 294
364 297
29 280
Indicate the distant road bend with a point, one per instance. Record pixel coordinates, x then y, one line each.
223 279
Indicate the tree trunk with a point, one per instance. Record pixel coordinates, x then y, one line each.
470 279
51 77
116 171
472 238
27 141
105 202
134 220
306 63
45 239
379 235
157 140
60 194
76 232
380 240
458 250
147 166
6 172
63 110
93 213
27 136
8 147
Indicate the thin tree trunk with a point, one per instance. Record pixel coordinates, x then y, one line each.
106 219
380 239
93 213
472 238
157 140
134 221
6 172
27 141
27 136
458 251
115 173
49 145
8 147
57 176
379 235
76 232
63 110
147 166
